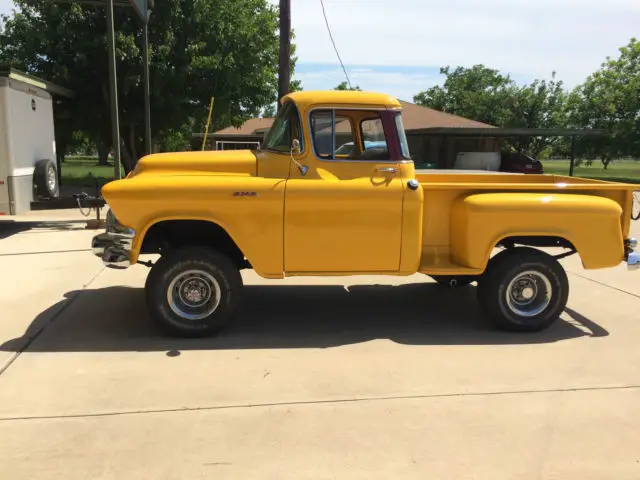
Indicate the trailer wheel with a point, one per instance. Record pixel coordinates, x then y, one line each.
46 179
193 292
523 290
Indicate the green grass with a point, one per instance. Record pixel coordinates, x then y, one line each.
627 171
85 171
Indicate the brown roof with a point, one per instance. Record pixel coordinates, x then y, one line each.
413 117
249 127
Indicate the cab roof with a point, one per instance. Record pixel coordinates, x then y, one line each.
308 98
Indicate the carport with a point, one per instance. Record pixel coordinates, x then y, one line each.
440 145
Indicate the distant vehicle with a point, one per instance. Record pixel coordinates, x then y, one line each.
28 169
518 162
27 144
349 147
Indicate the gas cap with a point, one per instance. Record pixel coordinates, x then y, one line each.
413 184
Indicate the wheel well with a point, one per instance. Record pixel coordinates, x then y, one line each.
170 234
543 241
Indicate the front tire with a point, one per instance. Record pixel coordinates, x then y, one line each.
523 290
193 292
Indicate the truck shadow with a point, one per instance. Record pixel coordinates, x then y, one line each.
315 316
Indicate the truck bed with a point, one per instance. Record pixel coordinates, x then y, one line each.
483 179
443 188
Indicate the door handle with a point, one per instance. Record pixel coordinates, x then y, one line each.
387 169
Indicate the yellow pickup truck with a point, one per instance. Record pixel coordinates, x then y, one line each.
302 205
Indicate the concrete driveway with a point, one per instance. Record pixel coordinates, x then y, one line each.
318 378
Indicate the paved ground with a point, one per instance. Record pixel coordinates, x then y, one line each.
319 378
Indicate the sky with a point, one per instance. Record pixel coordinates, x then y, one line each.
398 46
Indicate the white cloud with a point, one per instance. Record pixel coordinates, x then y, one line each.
5 6
401 84
524 37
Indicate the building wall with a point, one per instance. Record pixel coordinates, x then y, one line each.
442 150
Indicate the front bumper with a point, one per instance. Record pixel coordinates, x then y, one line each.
113 246
631 256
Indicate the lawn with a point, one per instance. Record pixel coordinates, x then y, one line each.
627 171
85 171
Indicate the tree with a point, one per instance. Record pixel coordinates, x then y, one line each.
540 104
609 99
345 86
485 95
198 49
479 93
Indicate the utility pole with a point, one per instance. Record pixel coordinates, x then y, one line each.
113 92
285 49
147 97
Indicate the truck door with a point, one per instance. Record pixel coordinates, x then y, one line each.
345 214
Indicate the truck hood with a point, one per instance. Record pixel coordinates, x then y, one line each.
230 162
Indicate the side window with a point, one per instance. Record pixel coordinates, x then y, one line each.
345 142
374 142
322 133
285 128
334 137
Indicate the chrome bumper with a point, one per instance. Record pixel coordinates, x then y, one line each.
113 247
632 257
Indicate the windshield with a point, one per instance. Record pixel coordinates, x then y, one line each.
285 128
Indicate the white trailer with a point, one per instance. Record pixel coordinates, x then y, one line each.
28 169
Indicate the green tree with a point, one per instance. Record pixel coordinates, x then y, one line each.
610 100
486 95
479 93
198 49
540 104
345 86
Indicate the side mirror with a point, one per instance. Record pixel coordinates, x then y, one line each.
295 150
295 147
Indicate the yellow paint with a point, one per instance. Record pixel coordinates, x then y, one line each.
348 217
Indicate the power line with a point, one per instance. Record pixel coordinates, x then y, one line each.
324 13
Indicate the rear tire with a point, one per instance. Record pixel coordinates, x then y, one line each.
523 290
193 292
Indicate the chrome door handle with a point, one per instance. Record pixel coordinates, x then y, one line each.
387 169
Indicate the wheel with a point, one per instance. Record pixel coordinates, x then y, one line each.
454 280
193 292
45 177
523 290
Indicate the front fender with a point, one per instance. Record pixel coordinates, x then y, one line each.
249 209
589 222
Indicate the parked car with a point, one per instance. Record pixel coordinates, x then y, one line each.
518 162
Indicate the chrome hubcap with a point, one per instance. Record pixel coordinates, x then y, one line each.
529 293
51 178
194 294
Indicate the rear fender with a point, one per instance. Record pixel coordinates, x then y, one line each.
590 223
